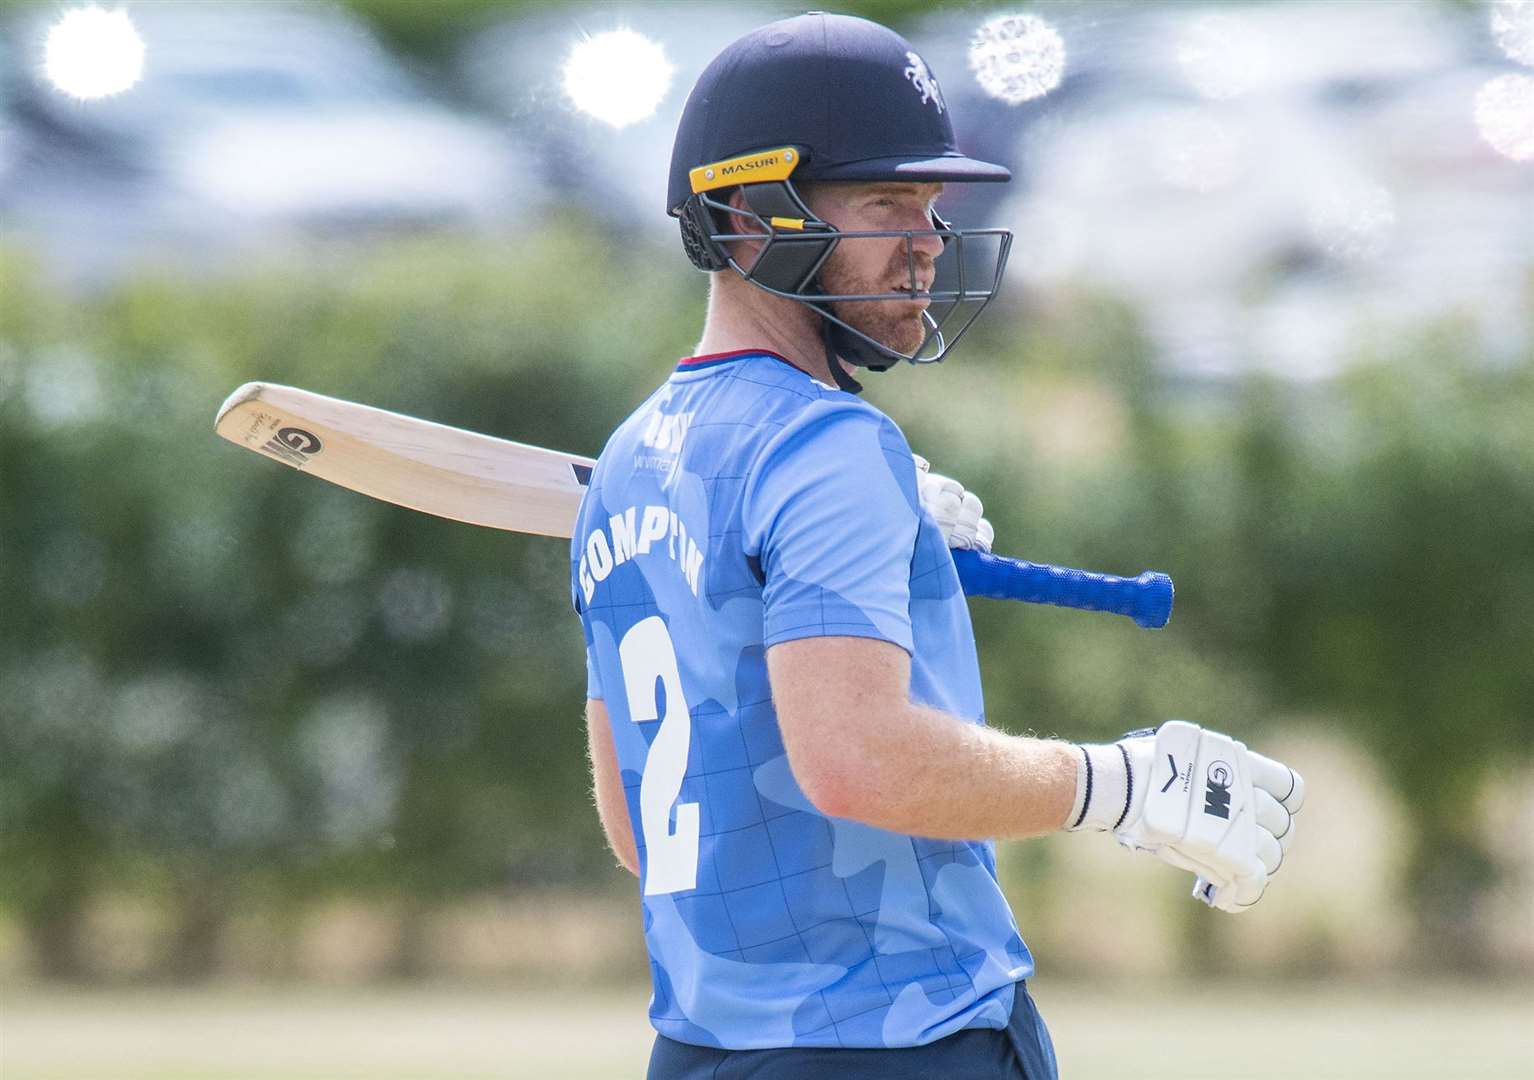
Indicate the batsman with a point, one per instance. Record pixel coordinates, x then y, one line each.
787 733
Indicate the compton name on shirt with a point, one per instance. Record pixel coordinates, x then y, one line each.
619 541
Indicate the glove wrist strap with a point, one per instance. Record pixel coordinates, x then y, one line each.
1104 788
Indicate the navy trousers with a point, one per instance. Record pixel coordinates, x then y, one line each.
1020 1051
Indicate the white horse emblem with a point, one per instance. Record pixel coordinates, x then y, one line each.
924 81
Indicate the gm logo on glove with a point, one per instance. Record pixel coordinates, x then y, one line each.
1217 789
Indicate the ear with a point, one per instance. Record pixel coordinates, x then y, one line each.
744 251
738 222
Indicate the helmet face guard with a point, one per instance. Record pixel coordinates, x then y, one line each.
828 98
794 246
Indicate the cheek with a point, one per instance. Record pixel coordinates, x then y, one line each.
840 270
865 260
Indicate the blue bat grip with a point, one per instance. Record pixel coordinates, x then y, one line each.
1146 599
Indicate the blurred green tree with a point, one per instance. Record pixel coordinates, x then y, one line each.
220 680
219 677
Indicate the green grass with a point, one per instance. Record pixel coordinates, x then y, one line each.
1145 1031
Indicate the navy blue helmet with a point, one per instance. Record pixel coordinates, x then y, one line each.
815 98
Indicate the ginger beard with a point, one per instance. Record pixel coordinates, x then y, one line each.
895 324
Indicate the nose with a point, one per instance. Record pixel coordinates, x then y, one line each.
924 243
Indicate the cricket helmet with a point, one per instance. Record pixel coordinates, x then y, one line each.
823 97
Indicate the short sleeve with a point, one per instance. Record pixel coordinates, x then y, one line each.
830 513
593 680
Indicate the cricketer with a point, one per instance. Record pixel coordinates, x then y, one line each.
786 726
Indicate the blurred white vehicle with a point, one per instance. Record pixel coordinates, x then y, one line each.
252 121
1268 190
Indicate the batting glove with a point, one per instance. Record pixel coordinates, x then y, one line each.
1196 799
958 513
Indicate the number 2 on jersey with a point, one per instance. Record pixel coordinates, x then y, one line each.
648 657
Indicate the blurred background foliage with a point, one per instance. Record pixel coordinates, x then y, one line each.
218 681
222 681
231 697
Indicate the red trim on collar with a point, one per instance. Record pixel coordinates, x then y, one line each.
713 358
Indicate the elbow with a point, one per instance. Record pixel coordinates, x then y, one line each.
841 803
834 789
841 770
622 846
826 799
624 854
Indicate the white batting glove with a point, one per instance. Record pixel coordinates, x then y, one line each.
956 511
1196 799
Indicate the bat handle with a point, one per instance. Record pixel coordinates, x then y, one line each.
1146 599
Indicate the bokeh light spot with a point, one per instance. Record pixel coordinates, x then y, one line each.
619 77
1353 221
345 741
249 805
63 388
93 53
1512 24
1221 57
334 544
1017 58
156 712
1504 113
417 605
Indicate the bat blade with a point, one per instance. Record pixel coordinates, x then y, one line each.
482 480
434 468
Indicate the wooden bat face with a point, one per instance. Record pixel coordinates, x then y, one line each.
414 463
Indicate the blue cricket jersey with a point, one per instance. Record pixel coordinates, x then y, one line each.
745 504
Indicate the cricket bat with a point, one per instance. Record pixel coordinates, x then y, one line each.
482 480
439 470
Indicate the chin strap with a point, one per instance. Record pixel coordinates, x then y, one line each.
833 362
843 348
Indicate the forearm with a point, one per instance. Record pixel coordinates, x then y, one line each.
925 773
